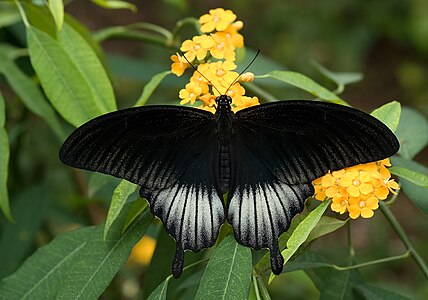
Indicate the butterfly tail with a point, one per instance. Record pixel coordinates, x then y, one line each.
178 261
276 259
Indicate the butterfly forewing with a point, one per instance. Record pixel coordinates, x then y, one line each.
171 152
300 141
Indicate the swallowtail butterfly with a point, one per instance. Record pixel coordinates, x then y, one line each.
265 157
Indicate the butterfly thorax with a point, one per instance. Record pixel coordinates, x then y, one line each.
224 119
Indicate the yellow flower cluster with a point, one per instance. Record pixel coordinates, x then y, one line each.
356 189
213 54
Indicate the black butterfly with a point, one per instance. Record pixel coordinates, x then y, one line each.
265 157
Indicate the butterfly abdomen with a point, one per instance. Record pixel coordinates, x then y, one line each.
224 117
224 168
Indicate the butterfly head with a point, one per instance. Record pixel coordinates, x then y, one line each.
223 102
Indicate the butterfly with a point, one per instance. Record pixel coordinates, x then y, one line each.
263 157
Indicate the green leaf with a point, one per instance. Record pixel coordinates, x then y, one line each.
91 275
89 66
305 83
2 112
339 286
78 264
138 206
325 226
412 132
150 87
40 17
115 4
414 177
319 276
301 233
62 82
415 193
28 91
389 114
228 274
18 239
371 292
4 162
57 9
307 260
120 196
160 292
88 36
339 78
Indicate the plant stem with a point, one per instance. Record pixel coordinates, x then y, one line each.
121 32
373 262
22 12
350 246
404 238
256 288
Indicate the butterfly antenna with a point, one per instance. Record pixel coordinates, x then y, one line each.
236 79
194 68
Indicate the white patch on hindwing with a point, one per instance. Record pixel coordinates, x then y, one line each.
258 213
192 213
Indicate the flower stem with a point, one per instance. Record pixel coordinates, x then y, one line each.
404 238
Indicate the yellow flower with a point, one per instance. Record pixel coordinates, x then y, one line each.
143 251
235 91
197 47
179 64
217 19
356 189
190 93
208 100
232 35
244 102
363 206
339 204
222 49
223 75
214 78
199 80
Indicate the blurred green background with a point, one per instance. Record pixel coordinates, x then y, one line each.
387 41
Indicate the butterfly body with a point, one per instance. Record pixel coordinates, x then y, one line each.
224 121
265 157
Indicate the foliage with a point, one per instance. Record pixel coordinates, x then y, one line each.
59 78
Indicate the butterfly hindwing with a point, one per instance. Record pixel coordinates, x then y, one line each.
279 148
192 209
260 206
171 153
